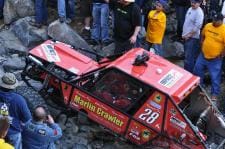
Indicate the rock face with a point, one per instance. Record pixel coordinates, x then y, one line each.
30 36
14 9
11 44
64 33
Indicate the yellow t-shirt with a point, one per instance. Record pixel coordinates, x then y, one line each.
156 27
4 145
214 42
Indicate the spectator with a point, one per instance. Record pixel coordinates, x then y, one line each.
191 34
100 30
1 8
40 133
86 12
223 12
213 43
181 7
66 10
41 13
18 109
214 5
127 24
4 126
156 27
142 32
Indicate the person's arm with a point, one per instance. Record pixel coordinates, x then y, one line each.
133 38
55 132
197 24
136 21
202 36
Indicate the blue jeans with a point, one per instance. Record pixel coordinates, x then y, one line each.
180 15
16 140
100 15
157 48
215 69
191 50
66 8
1 7
41 11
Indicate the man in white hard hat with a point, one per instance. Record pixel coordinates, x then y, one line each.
127 24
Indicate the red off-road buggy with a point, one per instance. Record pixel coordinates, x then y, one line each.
140 95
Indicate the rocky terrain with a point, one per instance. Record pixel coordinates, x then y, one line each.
17 37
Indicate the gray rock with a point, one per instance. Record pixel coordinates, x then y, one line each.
29 35
79 146
64 33
3 50
9 12
80 140
14 9
108 50
14 64
172 49
97 144
10 43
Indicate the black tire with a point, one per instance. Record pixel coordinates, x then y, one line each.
32 97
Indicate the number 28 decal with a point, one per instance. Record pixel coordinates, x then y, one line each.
149 116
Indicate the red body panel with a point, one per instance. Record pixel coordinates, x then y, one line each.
65 57
178 128
151 113
100 112
159 73
66 90
139 134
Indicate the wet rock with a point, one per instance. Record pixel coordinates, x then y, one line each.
29 35
11 44
13 64
14 9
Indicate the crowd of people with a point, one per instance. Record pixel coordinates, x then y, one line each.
19 128
203 39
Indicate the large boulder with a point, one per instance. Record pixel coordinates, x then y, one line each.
64 33
30 36
14 63
9 43
14 9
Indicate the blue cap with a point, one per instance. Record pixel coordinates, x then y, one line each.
163 3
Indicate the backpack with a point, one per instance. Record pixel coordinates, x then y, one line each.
4 109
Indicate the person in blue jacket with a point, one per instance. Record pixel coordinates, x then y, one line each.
41 131
18 109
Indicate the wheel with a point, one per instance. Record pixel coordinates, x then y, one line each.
32 97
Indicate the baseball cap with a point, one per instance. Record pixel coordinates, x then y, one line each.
163 3
196 1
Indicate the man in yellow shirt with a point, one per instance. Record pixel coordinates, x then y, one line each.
156 27
213 51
